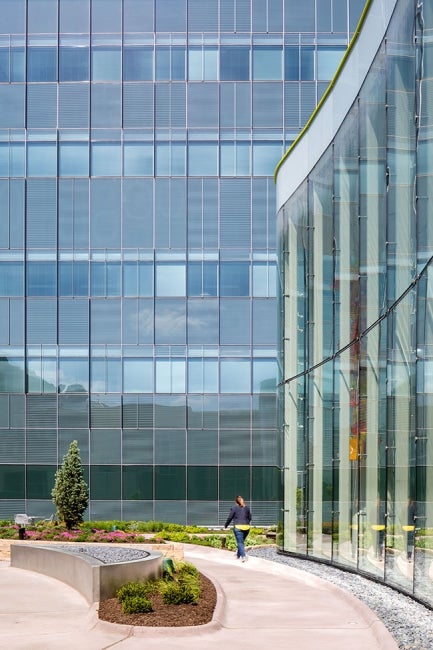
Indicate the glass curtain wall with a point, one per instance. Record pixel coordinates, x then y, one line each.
138 283
356 271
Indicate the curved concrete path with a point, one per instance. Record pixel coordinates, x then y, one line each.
260 604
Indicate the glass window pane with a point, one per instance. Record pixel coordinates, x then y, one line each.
11 375
73 159
234 63
234 279
17 64
307 63
267 63
41 64
328 59
291 64
170 279
74 64
41 159
177 63
195 64
264 376
170 376
235 376
138 64
41 279
73 375
106 64
11 278
137 279
202 159
137 375
162 68
203 376
105 159
265 158
235 159
137 159
202 278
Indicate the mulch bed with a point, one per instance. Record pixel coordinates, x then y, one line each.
165 615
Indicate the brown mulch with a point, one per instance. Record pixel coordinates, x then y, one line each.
165 615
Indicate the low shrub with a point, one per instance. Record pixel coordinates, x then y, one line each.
180 593
137 605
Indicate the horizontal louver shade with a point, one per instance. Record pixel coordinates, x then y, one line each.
41 446
41 106
138 105
73 321
73 106
41 213
235 213
41 411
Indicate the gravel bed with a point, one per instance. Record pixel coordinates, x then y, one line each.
104 553
410 623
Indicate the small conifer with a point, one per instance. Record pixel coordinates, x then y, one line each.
70 492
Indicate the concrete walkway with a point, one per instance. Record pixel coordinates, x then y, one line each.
261 604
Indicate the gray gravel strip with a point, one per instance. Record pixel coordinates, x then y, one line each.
410 623
104 553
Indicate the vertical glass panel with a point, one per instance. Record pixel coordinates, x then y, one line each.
11 278
41 278
106 63
170 375
267 63
307 63
234 279
11 375
170 279
265 158
235 159
264 376
203 376
137 279
73 159
137 159
42 16
234 63
170 159
235 376
106 16
202 159
73 375
328 59
41 63
41 159
202 278
74 64
137 64
105 159
74 16
291 63
137 376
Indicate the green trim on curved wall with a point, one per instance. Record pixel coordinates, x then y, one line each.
329 88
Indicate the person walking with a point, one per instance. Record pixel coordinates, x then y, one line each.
241 516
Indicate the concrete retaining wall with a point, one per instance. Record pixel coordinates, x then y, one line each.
93 579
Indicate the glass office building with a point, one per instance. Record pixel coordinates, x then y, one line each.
138 140
356 249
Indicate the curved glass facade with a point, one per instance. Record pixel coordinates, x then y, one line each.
356 253
138 140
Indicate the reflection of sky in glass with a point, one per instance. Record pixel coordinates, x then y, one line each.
137 376
264 376
235 376
170 280
170 376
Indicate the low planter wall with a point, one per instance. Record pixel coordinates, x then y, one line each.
94 579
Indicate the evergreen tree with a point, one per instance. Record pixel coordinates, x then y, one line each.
70 493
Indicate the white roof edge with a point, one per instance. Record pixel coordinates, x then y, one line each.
308 151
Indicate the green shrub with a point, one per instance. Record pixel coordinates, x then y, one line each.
184 569
179 593
135 590
136 605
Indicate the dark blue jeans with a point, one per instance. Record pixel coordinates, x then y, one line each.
241 536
